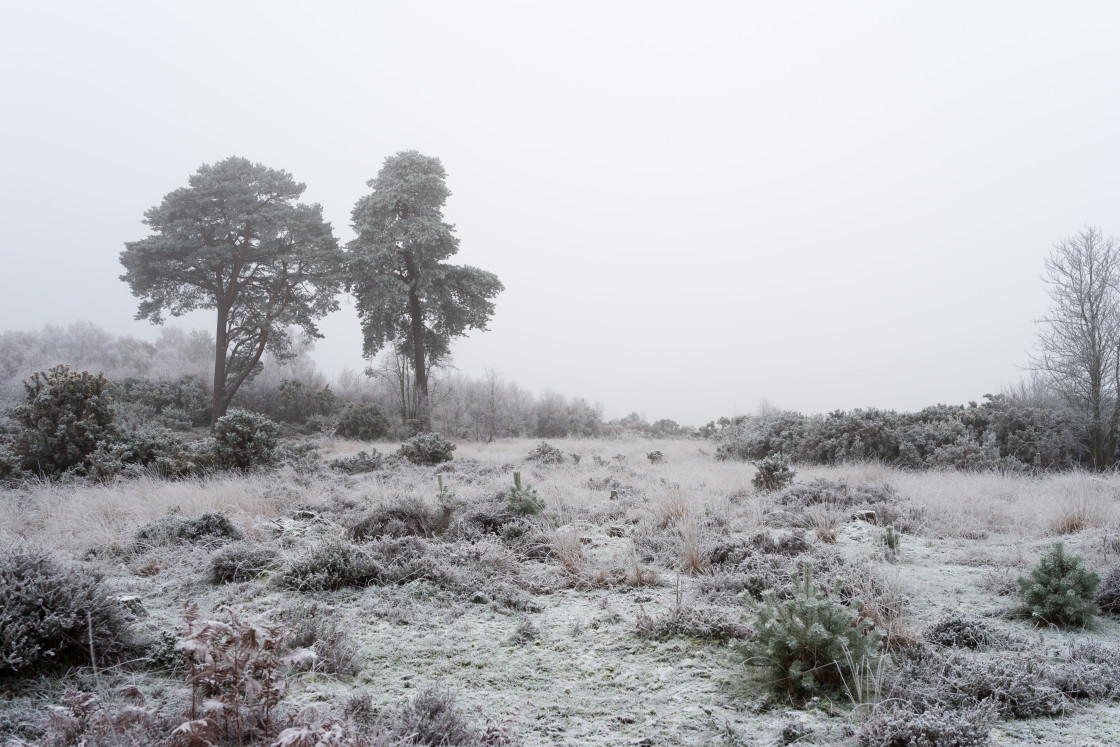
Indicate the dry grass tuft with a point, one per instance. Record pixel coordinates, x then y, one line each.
695 557
672 508
1078 512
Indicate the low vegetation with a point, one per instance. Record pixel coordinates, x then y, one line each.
368 599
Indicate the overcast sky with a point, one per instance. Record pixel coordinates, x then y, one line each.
694 207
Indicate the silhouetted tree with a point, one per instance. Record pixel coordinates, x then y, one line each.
237 241
1079 342
406 292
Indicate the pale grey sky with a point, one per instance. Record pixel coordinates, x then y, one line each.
693 207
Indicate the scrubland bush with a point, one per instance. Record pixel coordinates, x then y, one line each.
812 642
431 718
400 517
360 463
773 473
1108 594
316 628
65 415
902 724
332 564
50 611
996 435
426 448
148 449
1016 686
545 453
1060 589
210 527
363 422
240 561
245 440
710 623
965 632
176 403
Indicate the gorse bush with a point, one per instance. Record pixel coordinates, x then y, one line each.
50 609
363 422
427 448
65 416
996 435
245 440
773 473
360 463
545 453
813 641
1060 589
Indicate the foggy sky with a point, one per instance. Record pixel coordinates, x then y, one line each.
693 207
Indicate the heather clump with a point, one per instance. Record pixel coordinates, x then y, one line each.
55 613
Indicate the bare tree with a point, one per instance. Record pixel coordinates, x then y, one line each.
1079 342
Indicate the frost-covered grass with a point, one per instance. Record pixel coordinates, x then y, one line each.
543 625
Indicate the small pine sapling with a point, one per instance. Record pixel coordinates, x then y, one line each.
1060 589
523 500
812 642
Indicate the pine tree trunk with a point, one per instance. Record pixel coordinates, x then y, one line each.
221 343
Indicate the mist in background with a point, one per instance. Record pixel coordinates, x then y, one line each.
692 211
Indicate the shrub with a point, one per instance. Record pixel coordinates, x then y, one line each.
152 449
50 611
1108 595
811 642
655 457
173 530
545 453
333 564
1060 590
242 561
696 622
317 628
902 724
773 473
66 415
301 456
523 501
245 440
402 517
360 463
363 422
431 718
1017 686
426 448
964 632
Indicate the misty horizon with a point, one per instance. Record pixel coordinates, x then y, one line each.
817 207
